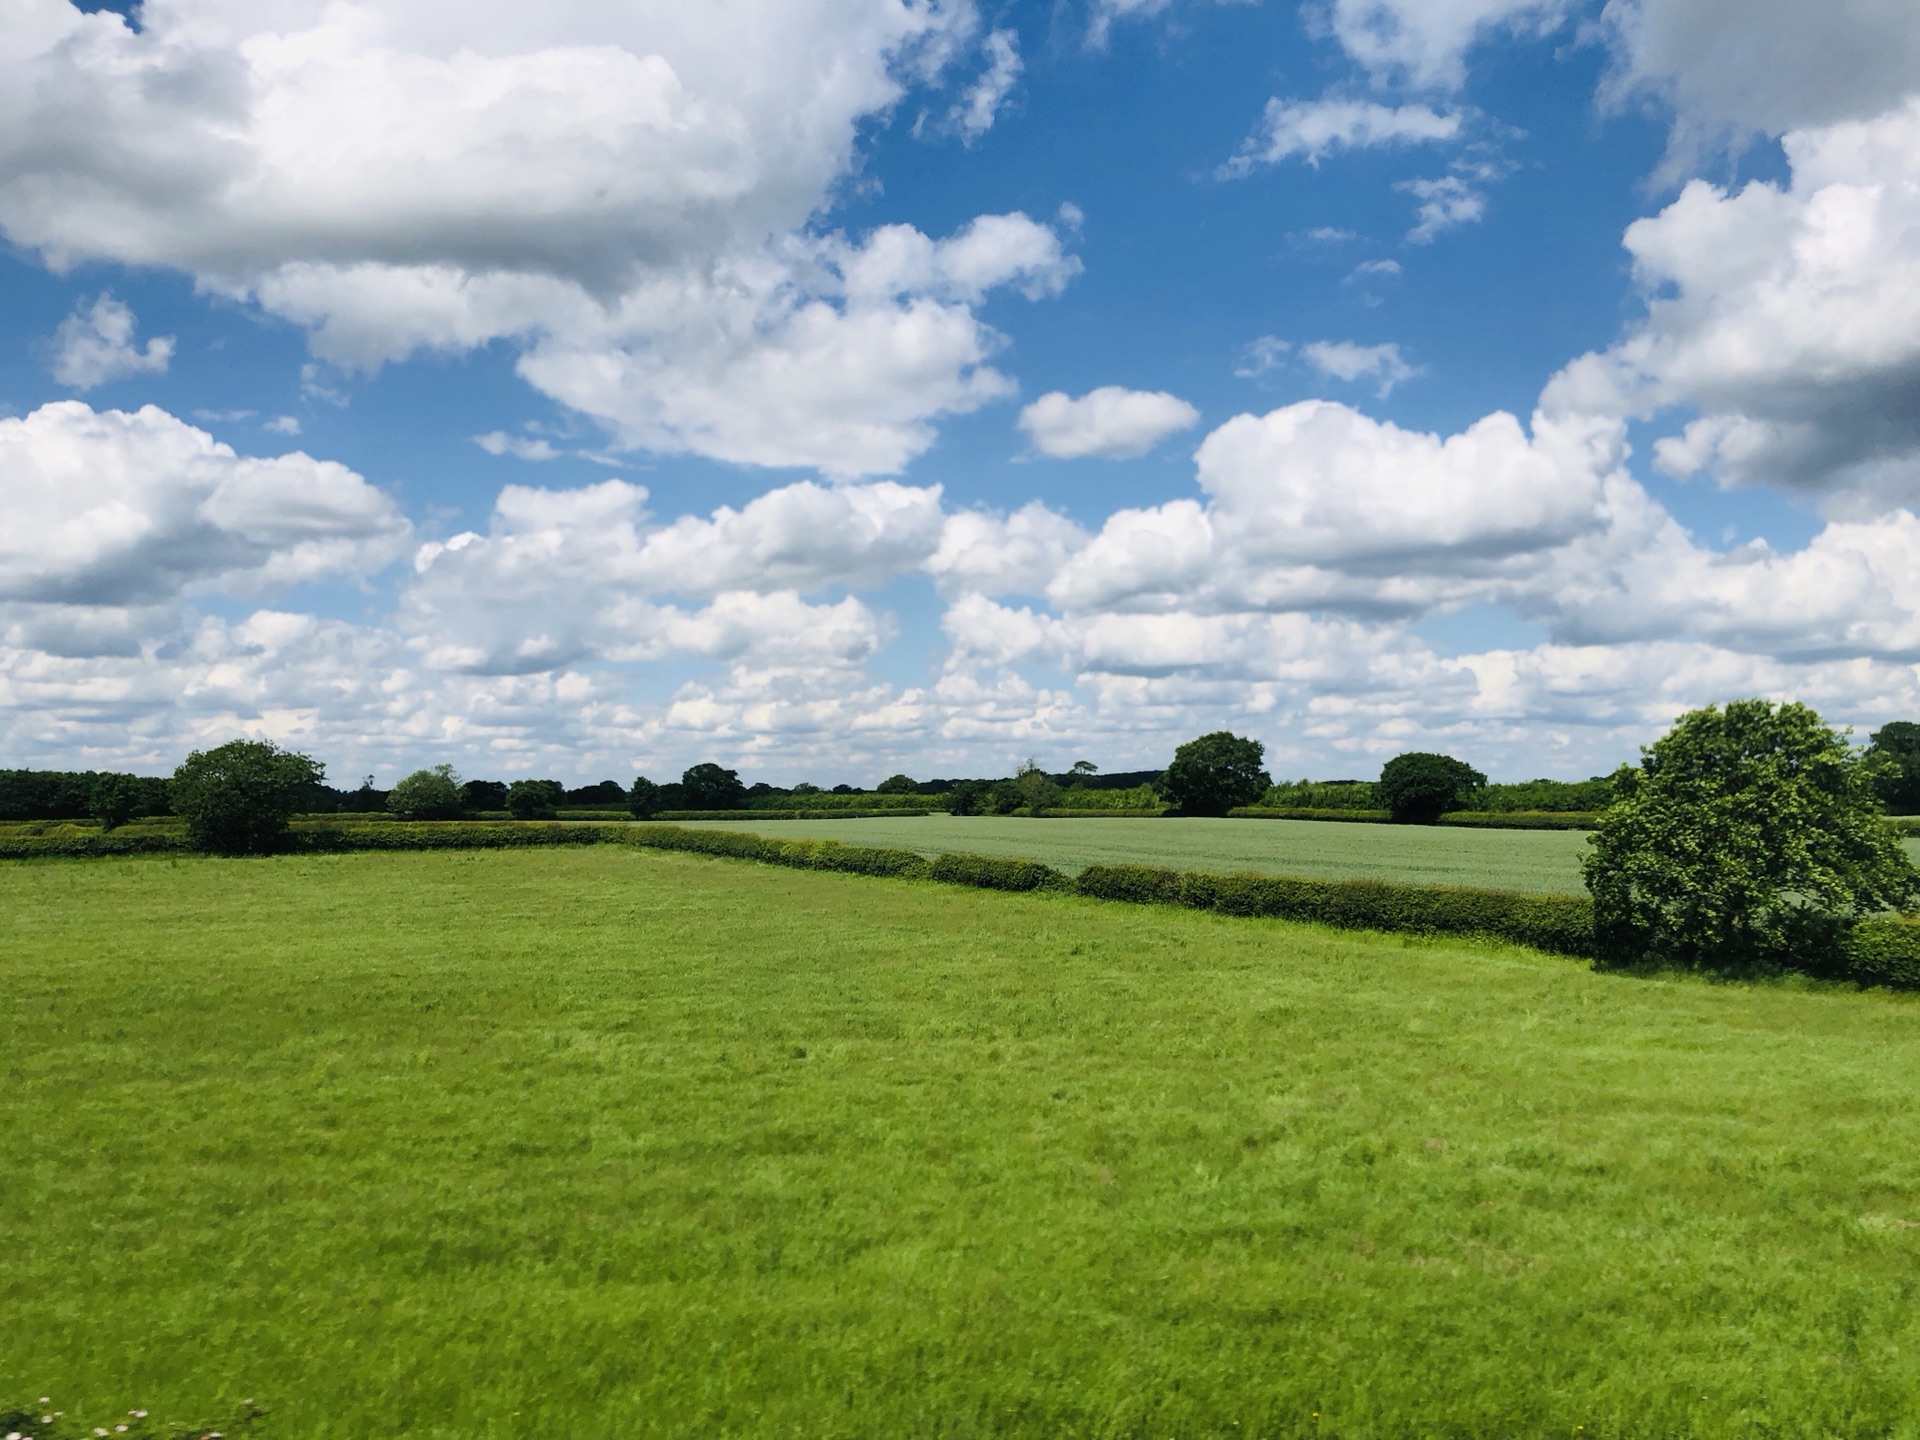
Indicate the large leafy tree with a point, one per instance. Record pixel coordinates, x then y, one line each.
708 787
427 795
238 798
644 799
1211 775
535 799
1750 835
1897 747
1420 787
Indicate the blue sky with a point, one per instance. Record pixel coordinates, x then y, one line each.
836 387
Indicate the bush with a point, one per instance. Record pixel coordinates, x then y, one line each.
535 799
1881 951
238 798
1135 884
994 872
1750 836
1211 775
1418 788
426 795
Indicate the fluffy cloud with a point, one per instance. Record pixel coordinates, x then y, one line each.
114 509
95 344
1111 422
978 109
1313 129
1789 317
999 555
1424 42
570 576
624 192
1733 67
1317 506
1347 361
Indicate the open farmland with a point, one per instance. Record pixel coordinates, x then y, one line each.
1541 861
610 1142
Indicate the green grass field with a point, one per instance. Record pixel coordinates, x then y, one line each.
613 1143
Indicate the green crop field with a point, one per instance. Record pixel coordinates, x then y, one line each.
612 1143
1542 861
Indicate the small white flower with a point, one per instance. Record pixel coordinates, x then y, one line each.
138 1414
99 1430
121 1428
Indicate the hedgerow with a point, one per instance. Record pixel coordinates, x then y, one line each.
812 812
1562 924
997 872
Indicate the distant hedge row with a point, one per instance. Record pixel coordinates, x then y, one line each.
811 812
1469 819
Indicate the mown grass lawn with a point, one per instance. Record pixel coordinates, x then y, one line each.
611 1143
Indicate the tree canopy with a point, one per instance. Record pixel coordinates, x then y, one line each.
1211 775
1896 747
427 795
1419 787
1749 835
238 798
534 799
708 787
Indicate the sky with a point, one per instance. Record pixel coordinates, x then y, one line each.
834 388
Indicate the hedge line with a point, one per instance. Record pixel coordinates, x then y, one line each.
811 812
1559 923
1472 819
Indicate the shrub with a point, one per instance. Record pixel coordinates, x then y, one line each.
238 798
1418 788
1136 884
994 872
1749 836
426 795
708 787
535 799
1881 951
1211 775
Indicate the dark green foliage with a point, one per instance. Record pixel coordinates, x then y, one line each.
1897 747
1881 951
897 785
426 795
608 794
970 797
368 801
643 800
1547 795
535 799
1749 836
836 812
70 794
1562 924
995 872
1522 819
1031 788
708 787
799 854
115 800
1213 774
1321 795
483 795
238 798
1418 788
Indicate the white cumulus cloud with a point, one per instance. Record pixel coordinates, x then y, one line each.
1111 422
1313 129
96 344
1344 360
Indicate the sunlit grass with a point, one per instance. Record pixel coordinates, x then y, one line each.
609 1142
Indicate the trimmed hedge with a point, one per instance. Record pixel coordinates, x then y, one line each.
1522 819
810 813
800 854
1295 812
1882 952
1562 924
1069 812
997 872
